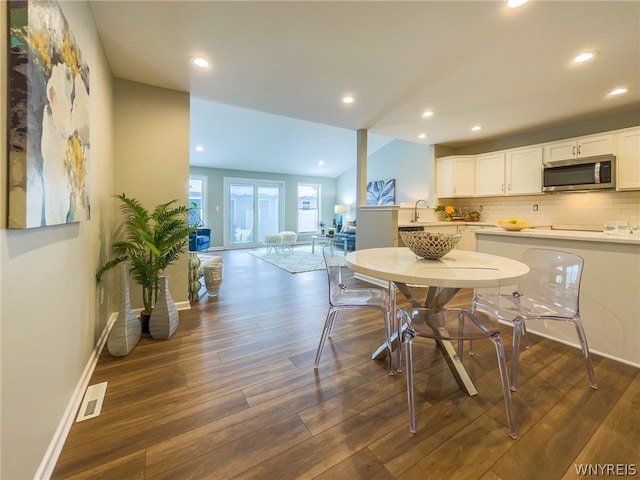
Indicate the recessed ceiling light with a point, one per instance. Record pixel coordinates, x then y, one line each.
515 3
428 113
200 62
321 162
476 128
348 99
199 148
618 91
584 57
422 135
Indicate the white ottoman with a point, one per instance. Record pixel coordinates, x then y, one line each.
288 239
273 242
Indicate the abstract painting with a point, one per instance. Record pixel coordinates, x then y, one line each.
381 192
48 118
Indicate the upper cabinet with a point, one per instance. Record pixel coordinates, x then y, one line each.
513 172
456 176
519 171
524 171
490 174
628 159
588 146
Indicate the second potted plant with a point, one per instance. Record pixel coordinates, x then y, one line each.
152 241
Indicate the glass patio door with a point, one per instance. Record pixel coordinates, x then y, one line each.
254 209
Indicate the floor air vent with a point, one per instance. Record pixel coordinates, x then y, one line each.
92 401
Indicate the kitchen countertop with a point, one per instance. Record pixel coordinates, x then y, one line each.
633 239
444 224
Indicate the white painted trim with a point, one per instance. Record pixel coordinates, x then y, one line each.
183 305
379 208
52 454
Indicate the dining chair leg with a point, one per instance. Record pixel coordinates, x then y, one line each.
326 332
504 378
408 340
399 339
585 353
524 336
461 320
388 328
333 322
396 315
515 352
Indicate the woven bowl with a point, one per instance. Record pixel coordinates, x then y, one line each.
430 245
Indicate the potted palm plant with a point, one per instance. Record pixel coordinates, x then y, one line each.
152 241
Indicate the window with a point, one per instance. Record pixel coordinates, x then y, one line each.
197 196
308 207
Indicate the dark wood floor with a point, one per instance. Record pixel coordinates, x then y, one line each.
233 394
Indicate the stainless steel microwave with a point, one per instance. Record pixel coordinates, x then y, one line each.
580 174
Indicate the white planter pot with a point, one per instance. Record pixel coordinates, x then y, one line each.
126 330
164 318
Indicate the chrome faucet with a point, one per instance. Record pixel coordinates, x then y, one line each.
415 210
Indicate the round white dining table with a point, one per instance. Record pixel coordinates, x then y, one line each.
457 269
443 278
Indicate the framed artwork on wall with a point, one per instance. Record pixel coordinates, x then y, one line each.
48 124
381 192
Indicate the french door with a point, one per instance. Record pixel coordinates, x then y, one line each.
254 208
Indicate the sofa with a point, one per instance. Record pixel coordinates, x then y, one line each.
200 240
346 238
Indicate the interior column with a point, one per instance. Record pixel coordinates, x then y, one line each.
361 168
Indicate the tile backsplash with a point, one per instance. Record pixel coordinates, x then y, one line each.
562 210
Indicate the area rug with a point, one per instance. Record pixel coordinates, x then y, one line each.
300 259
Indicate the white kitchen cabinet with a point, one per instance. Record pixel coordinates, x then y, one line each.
587 146
524 171
628 159
468 240
456 176
490 174
514 172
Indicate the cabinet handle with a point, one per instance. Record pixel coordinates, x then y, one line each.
502 187
579 147
509 187
573 151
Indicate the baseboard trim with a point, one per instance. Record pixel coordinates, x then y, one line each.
52 454
183 305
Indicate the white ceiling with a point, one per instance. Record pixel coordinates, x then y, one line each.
474 62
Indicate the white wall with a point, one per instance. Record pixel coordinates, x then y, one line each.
411 164
152 159
51 316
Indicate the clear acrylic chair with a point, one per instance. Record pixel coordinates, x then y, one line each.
550 291
444 325
342 297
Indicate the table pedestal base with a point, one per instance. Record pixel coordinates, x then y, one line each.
450 355
435 298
